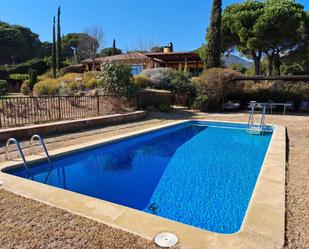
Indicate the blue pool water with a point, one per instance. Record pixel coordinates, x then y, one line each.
197 173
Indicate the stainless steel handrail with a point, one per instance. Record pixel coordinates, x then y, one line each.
19 150
42 144
251 126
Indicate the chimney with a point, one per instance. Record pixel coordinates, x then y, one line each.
168 48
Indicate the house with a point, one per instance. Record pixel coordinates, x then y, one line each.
189 61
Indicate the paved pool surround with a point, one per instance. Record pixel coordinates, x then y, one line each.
263 225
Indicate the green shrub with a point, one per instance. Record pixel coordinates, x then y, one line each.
37 64
278 91
25 88
47 87
19 77
141 81
115 78
201 103
3 86
169 79
205 103
181 83
91 84
217 84
165 108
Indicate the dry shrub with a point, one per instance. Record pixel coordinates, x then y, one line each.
91 84
89 76
46 87
141 81
25 88
217 84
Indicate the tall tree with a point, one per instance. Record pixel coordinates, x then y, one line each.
17 44
213 46
90 42
297 61
59 43
114 47
280 29
238 30
70 44
54 59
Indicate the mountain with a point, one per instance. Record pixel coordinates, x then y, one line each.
234 59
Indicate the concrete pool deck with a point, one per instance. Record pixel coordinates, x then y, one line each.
263 222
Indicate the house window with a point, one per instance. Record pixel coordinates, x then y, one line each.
136 69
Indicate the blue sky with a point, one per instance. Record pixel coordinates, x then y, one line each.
183 22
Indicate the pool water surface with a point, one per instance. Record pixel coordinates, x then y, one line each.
198 173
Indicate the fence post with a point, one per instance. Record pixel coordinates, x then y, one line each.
59 108
98 105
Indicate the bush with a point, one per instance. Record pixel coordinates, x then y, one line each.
37 64
169 79
19 77
91 84
141 81
217 84
278 91
159 77
47 87
165 108
205 103
180 82
115 78
25 88
201 103
64 89
89 75
151 97
3 86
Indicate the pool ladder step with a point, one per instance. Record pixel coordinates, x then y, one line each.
21 154
253 128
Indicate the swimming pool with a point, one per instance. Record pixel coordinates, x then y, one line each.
198 173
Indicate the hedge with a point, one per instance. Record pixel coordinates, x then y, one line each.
37 64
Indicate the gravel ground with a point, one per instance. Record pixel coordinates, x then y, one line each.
50 227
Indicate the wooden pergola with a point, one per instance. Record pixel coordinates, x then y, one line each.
177 60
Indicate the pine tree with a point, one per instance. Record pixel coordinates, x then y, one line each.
59 43
213 47
54 60
114 47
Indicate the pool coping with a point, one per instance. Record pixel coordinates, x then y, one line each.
262 227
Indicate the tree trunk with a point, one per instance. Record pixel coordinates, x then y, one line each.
257 61
270 65
277 64
93 65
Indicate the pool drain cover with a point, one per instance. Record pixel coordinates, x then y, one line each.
166 239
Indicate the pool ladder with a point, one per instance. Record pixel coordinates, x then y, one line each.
253 128
36 136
